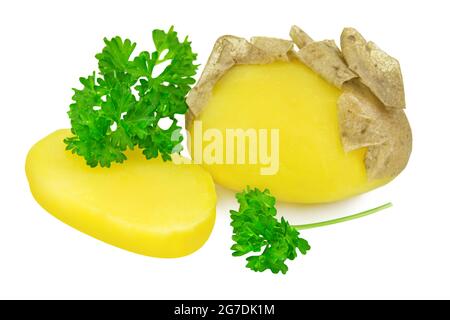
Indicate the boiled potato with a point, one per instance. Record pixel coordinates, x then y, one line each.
341 126
150 207
313 166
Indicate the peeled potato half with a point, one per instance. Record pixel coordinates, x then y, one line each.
150 207
339 114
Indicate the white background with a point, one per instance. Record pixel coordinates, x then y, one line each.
403 252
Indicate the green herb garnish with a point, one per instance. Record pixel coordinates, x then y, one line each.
256 229
121 107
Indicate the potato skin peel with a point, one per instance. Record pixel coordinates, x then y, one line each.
370 109
365 122
324 57
377 70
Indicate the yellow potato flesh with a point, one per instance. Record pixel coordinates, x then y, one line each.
313 167
150 207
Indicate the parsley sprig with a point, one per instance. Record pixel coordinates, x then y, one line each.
121 106
256 229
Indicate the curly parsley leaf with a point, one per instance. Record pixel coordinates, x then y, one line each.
256 229
121 107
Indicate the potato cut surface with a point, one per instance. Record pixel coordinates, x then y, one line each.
313 167
150 207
